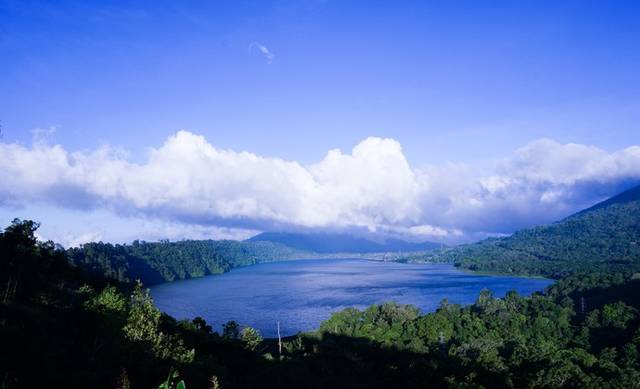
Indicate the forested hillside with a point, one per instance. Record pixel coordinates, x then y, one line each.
605 237
60 328
167 261
584 333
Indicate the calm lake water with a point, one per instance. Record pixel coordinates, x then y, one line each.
301 294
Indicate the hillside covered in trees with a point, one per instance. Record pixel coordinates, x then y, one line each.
605 237
158 262
61 328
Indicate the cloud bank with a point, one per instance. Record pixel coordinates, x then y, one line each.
373 187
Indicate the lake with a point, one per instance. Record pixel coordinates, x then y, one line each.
301 294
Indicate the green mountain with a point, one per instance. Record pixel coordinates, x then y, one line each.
340 243
158 262
605 237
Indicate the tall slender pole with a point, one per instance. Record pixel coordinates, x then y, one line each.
279 340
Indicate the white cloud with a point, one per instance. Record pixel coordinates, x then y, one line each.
43 134
264 50
152 230
190 184
69 240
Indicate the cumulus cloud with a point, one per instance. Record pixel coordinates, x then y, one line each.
190 182
264 50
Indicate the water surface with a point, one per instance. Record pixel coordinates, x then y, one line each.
301 294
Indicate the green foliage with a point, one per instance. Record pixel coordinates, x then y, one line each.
536 341
170 382
605 238
167 261
434 327
143 325
109 301
251 338
144 317
231 330
389 323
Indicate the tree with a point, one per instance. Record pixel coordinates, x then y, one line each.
231 330
251 338
143 326
431 326
144 317
201 324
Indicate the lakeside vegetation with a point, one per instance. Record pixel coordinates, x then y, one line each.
157 262
604 238
72 326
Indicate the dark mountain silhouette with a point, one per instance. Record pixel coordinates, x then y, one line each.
340 243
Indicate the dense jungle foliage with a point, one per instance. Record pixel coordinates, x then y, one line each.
156 262
603 238
61 328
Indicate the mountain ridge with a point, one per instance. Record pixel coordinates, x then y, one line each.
340 243
605 236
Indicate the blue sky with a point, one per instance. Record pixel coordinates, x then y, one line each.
471 118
